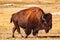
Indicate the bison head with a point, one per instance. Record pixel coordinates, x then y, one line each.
48 19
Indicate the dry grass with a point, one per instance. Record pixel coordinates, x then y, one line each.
29 1
6 26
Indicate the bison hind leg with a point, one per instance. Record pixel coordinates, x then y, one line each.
18 30
14 28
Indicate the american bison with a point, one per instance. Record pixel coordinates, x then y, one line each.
29 19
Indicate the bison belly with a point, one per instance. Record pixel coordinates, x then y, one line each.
22 22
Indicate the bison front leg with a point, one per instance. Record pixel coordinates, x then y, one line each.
35 33
27 31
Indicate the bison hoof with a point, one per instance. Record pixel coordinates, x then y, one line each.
22 36
26 36
13 36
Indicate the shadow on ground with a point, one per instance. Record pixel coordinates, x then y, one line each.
39 37
48 37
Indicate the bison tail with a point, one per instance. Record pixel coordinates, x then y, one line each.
11 20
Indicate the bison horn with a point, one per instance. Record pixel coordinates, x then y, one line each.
44 19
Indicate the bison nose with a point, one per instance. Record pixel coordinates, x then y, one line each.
46 31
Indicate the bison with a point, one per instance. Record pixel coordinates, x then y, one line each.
29 19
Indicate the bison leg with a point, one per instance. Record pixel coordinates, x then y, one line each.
27 31
14 28
35 32
18 30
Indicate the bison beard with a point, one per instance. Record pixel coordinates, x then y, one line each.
28 19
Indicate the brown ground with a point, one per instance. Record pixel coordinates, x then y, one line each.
6 26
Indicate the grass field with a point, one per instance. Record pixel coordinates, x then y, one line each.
28 1
6 26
